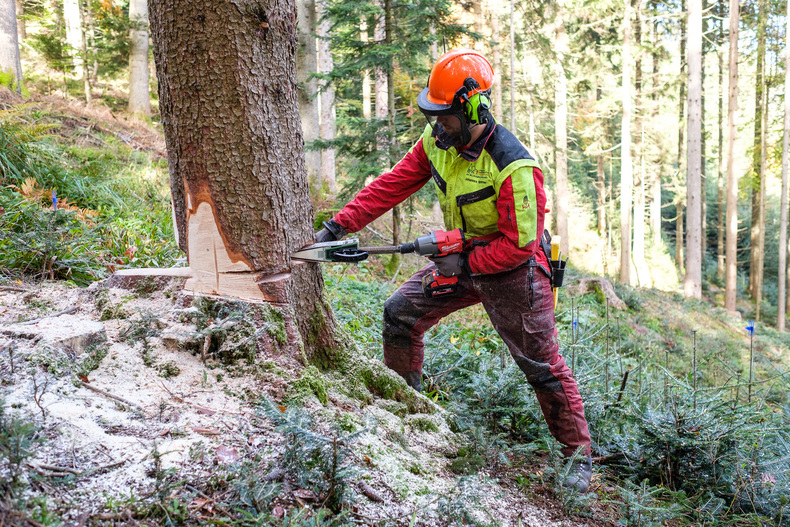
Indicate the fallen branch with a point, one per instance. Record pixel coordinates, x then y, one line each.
115 397
370 492
67 311
13 289
104 467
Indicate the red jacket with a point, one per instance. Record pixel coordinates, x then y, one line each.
507 248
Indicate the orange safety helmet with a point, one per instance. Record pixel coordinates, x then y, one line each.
459 84
451 74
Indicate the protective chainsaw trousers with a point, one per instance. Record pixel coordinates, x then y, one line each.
520 305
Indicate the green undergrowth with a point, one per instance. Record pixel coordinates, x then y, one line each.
113 203
680 431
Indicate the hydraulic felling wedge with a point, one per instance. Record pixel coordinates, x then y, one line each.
433 245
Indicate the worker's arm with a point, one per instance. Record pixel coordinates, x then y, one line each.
521 204
387 190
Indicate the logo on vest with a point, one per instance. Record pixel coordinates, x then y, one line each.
477 176
526 204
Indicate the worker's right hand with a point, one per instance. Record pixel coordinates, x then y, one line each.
332 231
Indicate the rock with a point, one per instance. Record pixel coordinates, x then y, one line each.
181 337
65 331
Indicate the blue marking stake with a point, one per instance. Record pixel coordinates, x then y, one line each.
750 328
54 200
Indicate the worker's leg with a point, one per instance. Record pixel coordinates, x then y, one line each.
522 311
408 314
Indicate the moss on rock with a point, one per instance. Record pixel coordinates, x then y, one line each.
311 383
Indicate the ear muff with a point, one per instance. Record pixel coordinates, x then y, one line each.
477 109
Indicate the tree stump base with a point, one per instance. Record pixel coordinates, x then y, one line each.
603 285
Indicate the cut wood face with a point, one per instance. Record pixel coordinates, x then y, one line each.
213 270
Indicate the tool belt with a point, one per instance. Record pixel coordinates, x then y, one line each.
556 267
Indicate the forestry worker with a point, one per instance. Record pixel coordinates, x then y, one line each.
489 186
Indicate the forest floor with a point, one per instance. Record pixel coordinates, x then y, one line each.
160 421
141 404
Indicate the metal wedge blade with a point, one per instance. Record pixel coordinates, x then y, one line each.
322 252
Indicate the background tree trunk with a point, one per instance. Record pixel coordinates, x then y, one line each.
626 170
237 174
731 274
139 91
692 283
655 202
327 99
21 30
638 254
9 42
782 300
366 82
562 196
307 65
512 69
720 165
756 234
73 23
496 55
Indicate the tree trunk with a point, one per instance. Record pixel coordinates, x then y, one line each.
757 180
366 82
782 300
692 283
496 55
21 30
601 185
229 98
626 170
720 150
306 66
139 91
679 237
327 99
638 254
381 90
388 30
86 78
9 43
71 18
561 133
655 202
731 274
512 69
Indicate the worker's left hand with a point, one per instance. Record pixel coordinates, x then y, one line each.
450 265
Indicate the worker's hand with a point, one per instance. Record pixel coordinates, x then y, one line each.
332 231
450 265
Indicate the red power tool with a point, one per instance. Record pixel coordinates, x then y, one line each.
433 245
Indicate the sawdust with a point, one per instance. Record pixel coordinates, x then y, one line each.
203 420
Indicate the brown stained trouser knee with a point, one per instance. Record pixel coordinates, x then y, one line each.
522 312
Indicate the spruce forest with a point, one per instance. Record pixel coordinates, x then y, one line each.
165 361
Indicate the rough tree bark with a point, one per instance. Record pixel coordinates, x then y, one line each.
307 65
327 99
692 282
9 43
139 91
228 97
626 169
655 185
731 271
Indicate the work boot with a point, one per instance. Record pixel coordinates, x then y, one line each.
413 379
580 475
